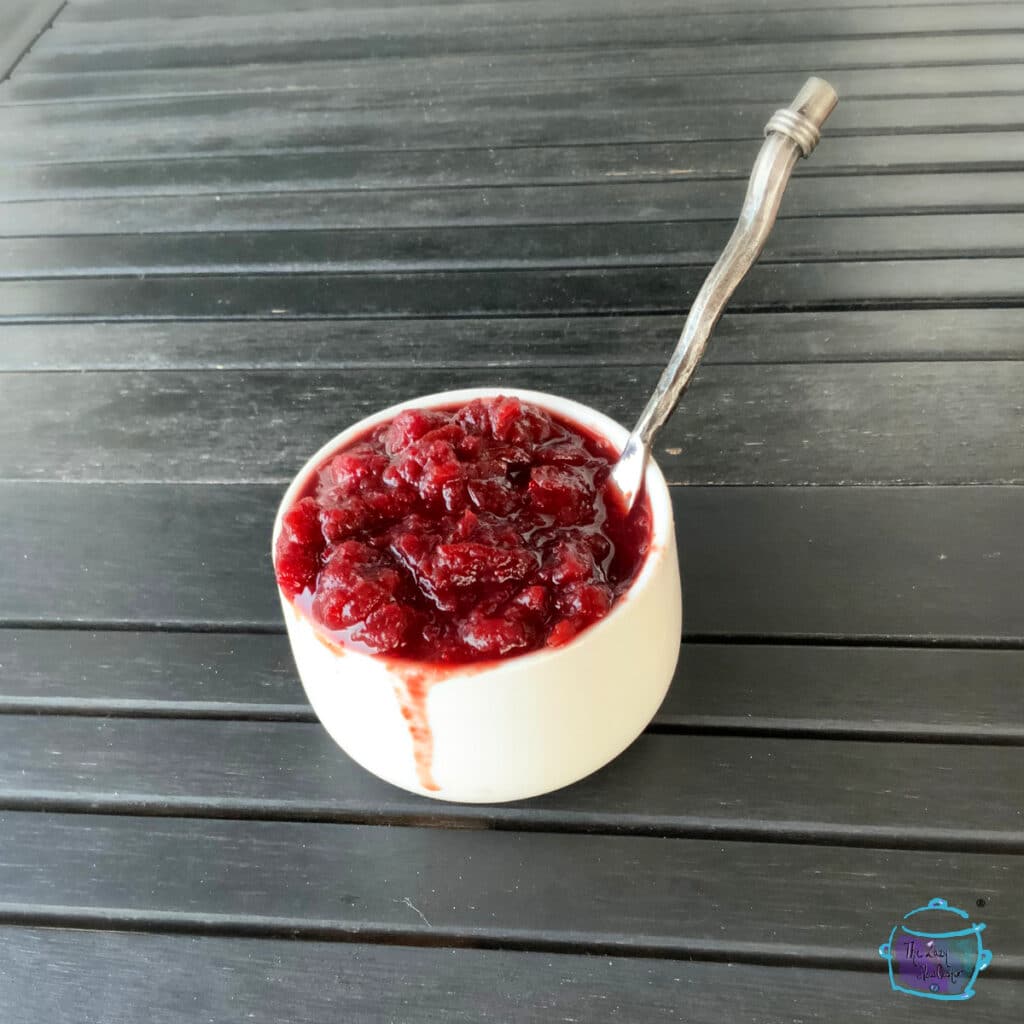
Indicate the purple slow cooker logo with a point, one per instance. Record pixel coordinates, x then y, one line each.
939 956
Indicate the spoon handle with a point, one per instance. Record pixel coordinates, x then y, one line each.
790 133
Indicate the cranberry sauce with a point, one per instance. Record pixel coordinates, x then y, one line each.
460 535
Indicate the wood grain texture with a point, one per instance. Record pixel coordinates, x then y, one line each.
930 66
661 206
875 284
909 335
778 788
802 690
243 221
139 673
613 894
71 544
223 124
864 691
120 978
920 423
328 167
462 84
630 246
238 39
701 18
117 10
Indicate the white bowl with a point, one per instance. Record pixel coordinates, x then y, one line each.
518 727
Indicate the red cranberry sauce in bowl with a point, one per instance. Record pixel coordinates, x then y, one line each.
462 534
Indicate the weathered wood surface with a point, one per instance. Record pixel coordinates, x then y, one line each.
778 902
218 124
892 564
256 170
813 791
848 336
762 689
229 230
486 247
274 36
919 423
664 207
874 284
123 977
923 73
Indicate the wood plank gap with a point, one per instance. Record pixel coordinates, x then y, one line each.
275 151
844 306
155 626
202 710
502 817
809 171
229 926
299 227
774 639
18 39
864 640
327 91
80 17
625 362
819 35
674 725
311 270
682 725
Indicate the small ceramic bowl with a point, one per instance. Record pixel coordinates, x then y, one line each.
517 727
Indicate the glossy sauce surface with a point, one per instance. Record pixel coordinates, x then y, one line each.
452 536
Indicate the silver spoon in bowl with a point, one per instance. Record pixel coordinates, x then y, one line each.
790 133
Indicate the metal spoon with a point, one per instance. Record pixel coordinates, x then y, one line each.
790 133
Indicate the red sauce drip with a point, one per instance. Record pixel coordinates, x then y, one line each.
412 694
452 536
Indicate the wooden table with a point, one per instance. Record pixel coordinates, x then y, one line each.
232 228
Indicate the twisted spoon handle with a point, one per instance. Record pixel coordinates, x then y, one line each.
790 133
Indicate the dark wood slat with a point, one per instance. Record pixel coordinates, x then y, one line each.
766 787
909 569
356 169
909 335
398 103
181 583
223 124
498 28
870 555
374 82
921 423
795 286
636 83
646 202
210 674
120 10
116 10
185 554
675 897
779 57
871 692
117 978
863 691
513 246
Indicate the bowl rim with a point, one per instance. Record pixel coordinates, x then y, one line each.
656 487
